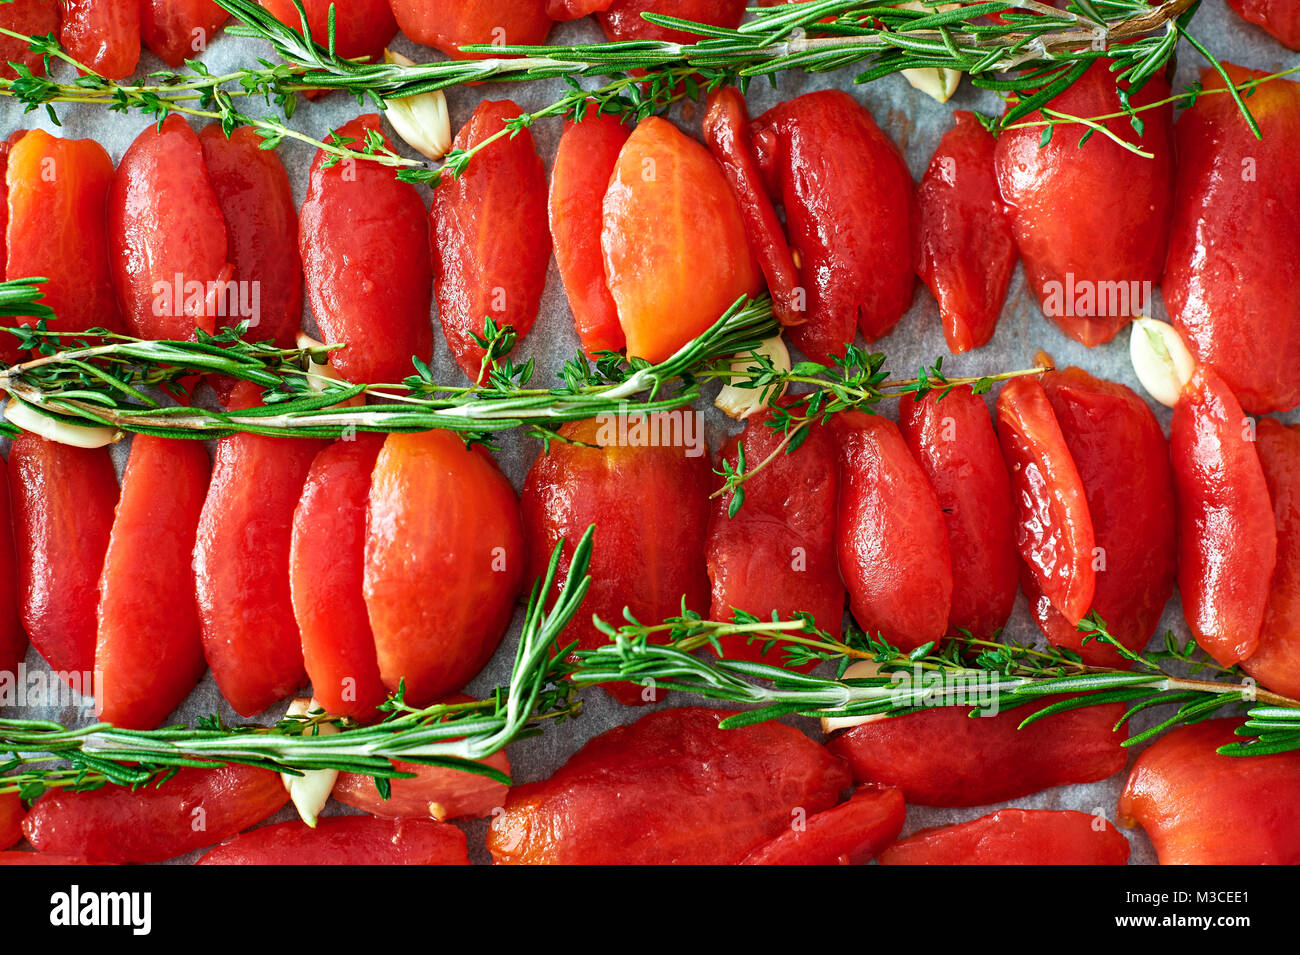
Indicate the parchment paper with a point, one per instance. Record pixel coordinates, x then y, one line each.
916 123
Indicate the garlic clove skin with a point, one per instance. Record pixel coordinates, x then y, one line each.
739 403
938 84
322 370
421 120
310 791
74 435
857 671
1161 359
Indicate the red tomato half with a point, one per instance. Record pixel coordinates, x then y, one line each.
1281 18
489 233
670 788
149 655
13 642
33 17
179 30
622 19
11 819
852 833
1015 837
450 24
103 35
574 9
362 28
345 840
364 239
1276 663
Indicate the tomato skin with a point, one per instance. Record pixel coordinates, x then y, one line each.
1276 662
116 824
1281 18
965 248
1054 533
325 582
1014 837
1095 214
148 654
102 34
11 819
448 25
890 535
1234 251
778 553
671 788
63 502
364 238
241 564
667 201
168 28
574 9
33 17
13 641
345 840
165 222
362 28
622 19
1227 540
1201 808
261 219
953 440
441 519
583 164
650 508
19 857
489 234
849 208
58 228
852 833
942 756
1123 461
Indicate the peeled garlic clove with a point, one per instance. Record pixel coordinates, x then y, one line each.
857 671
322 370
938 84
310 791
421 120
76 435
740 403
1161 359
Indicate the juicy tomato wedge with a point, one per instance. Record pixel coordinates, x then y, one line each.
345 840
34 18
1276 663
777 554
364 239
1281 18
649 502
489 229
11 819
362 28
671 788
179 30
574 9
622 19
943 756
241 565
1234 249
727 133
848 201
325 581
149 654
583 164
448 25
193 809
40 858
1054 531
167 236
953 440
1227 540
965 248
1014 837
104 35
1123 461
1201 808
13 641
261 219
891 537
1092 220
442 519
58 229
63 503
668 201
852 833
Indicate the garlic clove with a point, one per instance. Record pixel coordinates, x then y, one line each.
319 371
421 120
310 791
938 84
740 403
1161 359
856 671
52 429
